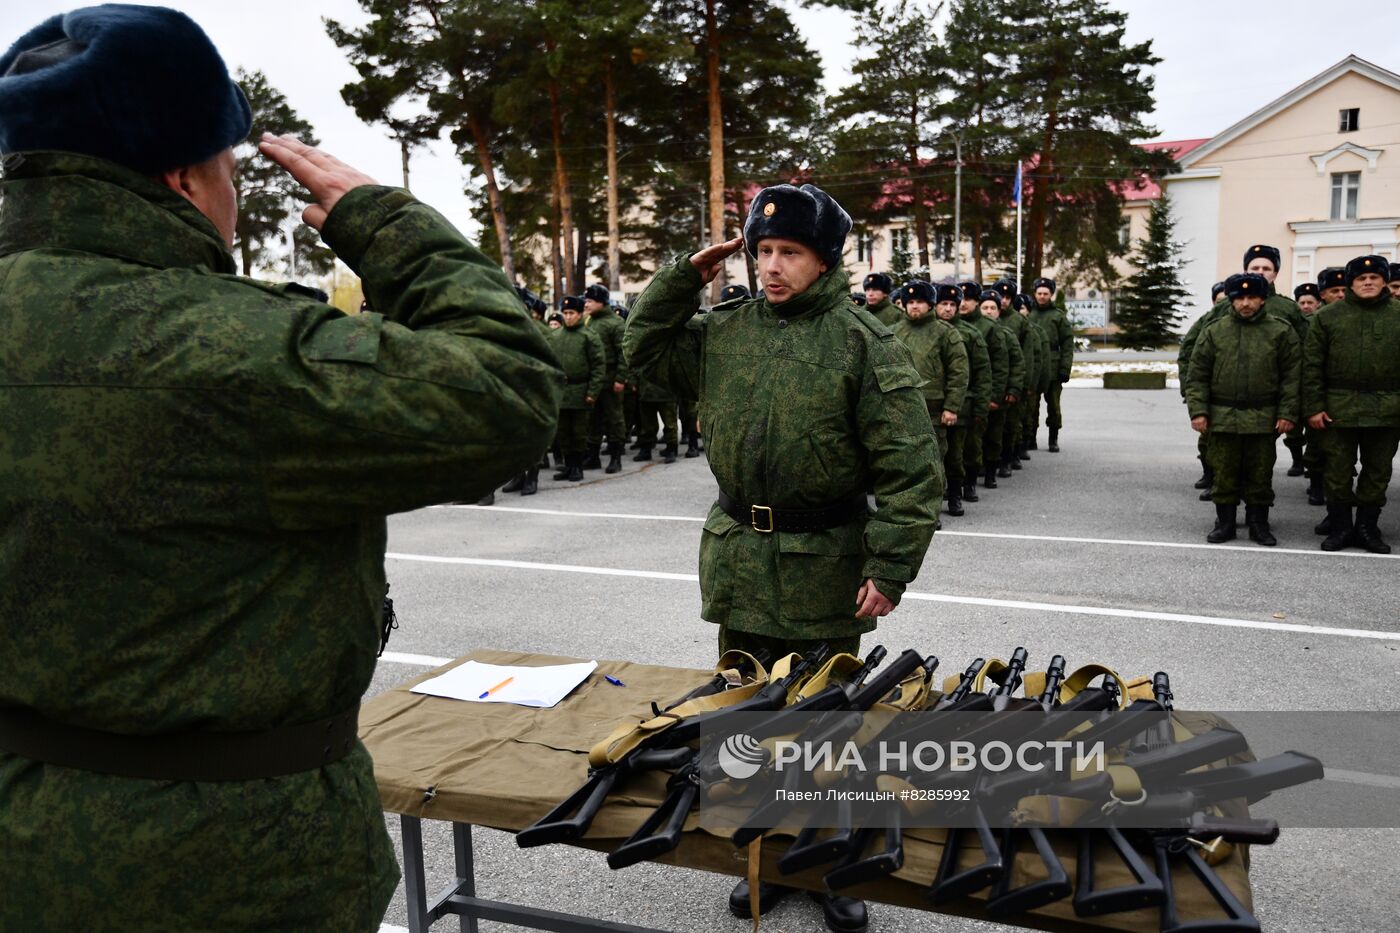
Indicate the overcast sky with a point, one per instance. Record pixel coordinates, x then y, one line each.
1220 62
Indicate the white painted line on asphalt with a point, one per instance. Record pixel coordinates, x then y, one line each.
1389 781
390 928
1059 539
939 598
399 657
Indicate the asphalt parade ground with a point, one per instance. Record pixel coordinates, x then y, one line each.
1097 553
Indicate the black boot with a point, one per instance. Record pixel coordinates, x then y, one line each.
564 463
842 914
989 477
1054 447
970 490
488 499
692 445
1315 495
668 453
1024 451
1004 471
1207 477
643 455
1257 518
1368 535
1032 445
532 482
954 502
591 459
575 474
1324 527
768 896
1224 529
1339 527
515 484
1016 458
1296 467
614 457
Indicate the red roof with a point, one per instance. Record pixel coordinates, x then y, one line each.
1148 190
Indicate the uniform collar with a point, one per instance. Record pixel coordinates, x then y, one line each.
823 295
62 200
1377 302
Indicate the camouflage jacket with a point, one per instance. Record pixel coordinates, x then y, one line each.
1055 326
195 471
1023 329
937 349
998 341
584 360
1275 306
886 312
1245 374
1351 362
979 372
1046 362
803 405
609 327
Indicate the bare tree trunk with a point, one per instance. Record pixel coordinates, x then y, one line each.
916 191
716 140
403 151
1040 194
561 174
582 235
614 226
977 252
744 206
556 255
493 196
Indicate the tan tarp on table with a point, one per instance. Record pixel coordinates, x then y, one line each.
504 766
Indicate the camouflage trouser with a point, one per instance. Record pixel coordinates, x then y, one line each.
1314 452
629 409
1374 447
991 438
972 449
1011 433
769 649
1028 417
953 457
607 418
647 415
1052 404
572 436
690 418
1203 447
1244 468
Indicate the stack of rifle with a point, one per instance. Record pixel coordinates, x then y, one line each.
1190 781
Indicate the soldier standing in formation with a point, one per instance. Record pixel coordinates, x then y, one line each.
607 417
1055 327
1243 387
878 287
962 483
581 353
939 358
809 403
1045 368
1012 450
984 444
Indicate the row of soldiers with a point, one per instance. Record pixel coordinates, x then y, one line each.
1322 371
988 358
603 403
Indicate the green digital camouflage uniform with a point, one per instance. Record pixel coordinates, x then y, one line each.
607 418
1016 414
1245 375
1055 326
886 312
581 354
1039 385
1015 381
1351 370
938 354
984 444
195 469
974 408
803 405
656 405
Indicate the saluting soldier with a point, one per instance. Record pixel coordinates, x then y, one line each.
607 418
1351 395
988 447
1012 437
1055 326
1243 387
585 363
878 287
974 403
195 470
808 403
941 360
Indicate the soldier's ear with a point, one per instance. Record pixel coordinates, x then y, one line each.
823 268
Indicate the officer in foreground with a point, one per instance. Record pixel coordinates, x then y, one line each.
808 403
195 470
1351 396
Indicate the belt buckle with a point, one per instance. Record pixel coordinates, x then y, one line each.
754 511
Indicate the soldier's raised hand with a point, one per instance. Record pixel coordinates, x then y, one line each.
709 259
325 176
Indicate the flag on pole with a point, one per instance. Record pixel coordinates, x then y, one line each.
1016 192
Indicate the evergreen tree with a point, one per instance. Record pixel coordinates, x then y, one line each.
268 198
1146 312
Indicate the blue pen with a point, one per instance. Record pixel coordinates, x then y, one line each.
613 680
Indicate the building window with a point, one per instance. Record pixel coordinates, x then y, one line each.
1125 233
942 247
1346 189
899 240
1349 121
865 247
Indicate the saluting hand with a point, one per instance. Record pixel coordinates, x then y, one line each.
709 259
326 177
871 603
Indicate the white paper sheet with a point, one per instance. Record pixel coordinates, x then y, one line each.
540 687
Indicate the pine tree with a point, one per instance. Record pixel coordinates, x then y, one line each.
1146 312
269 198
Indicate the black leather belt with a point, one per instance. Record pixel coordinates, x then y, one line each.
766 519
181 756
577 382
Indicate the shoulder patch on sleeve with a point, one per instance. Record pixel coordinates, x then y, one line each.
344 339
893 376
871 322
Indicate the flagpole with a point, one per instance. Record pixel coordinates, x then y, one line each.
1020 196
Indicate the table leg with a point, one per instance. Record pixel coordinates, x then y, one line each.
466 871
411 830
